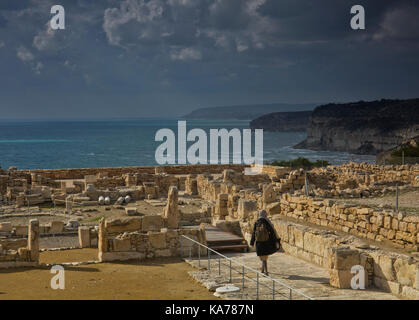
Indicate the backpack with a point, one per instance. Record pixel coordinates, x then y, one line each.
262 233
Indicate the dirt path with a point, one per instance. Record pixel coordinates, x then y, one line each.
155 279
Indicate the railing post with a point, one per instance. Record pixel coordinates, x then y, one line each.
273 290
219 265
243 278
230 273
209 260
199 256
190 251
181 248
290 294
257 286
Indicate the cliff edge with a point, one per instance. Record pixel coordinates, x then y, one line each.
362 127
282 121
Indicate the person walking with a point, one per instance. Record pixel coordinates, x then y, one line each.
266 239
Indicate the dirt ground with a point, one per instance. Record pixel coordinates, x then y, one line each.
150 280
90 215
408 201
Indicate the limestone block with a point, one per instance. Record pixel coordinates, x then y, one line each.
123 225
405 272
298 237
343 258
120 256
171 211
121 244
246 207
273 208
90 179
21 230
152 223
56 226
33 239
131 211
281 229
6 226
157 240
389 286
340 278
24 254
84 237
410 293
383 268
314 243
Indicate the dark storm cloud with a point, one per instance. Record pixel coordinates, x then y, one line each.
154 57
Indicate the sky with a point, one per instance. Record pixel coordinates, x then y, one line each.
154 58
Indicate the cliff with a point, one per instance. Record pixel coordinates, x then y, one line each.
244 112
406 152
282 121
362 127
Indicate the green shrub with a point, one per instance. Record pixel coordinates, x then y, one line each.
299 163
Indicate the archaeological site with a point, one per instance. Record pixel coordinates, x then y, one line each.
200 219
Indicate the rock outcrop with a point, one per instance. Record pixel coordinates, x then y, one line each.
362 127
282 121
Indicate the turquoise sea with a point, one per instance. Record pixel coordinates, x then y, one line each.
114 143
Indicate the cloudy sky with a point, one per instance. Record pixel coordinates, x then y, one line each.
146 58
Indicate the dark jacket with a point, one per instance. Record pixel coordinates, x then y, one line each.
264 248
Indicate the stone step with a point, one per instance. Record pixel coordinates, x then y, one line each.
230 247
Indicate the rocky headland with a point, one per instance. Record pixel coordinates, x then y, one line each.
282 121
362 127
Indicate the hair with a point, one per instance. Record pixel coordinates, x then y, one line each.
263 214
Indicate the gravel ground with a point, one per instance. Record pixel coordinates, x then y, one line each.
408 201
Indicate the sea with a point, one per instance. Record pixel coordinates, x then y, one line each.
126 142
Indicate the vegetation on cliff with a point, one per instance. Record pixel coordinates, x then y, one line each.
300 162
282 121
244 112
362 127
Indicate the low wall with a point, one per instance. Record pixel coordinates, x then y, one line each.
119 171
142 238
389 271
20 230
380 225
21 252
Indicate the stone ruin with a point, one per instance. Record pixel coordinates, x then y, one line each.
321 231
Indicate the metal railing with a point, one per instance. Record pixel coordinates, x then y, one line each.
291 292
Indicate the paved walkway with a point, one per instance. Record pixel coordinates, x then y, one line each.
307 278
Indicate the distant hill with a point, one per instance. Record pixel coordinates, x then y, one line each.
282 121
362 127
244 112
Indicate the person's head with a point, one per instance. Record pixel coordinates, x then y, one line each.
263 214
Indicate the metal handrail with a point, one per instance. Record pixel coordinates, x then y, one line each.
259 274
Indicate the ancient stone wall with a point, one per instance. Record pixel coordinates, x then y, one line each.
380 225
21 252
389 271
143 238
119 171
